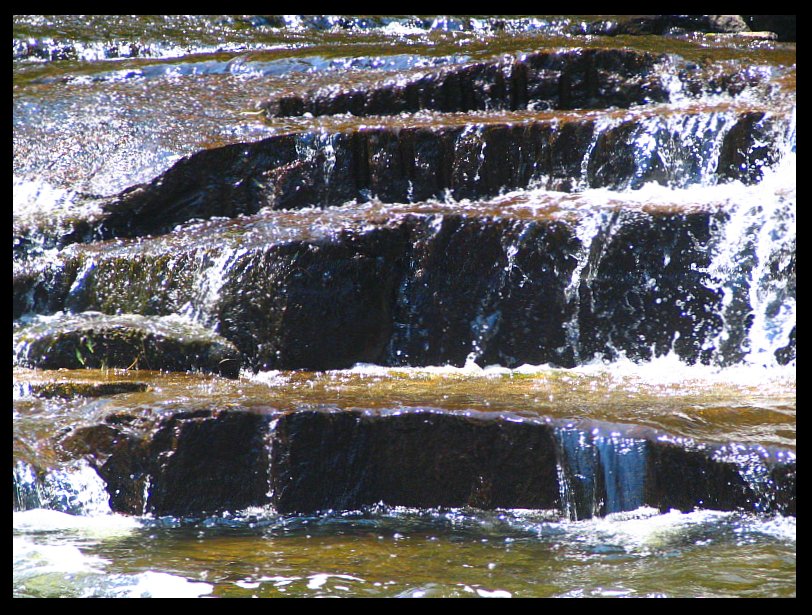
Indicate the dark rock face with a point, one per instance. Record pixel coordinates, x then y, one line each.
344 460
96 340
194 462
218 182
435 289
495 288
546 80
314 305
643 281
682 478
308 461
233 476
747 149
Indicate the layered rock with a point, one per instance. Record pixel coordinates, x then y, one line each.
540 80
308 461
429 289
569 79
419 162
404 287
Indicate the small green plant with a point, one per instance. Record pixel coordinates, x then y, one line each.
88 344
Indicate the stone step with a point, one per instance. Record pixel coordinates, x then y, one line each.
311 460
431 160
580 78
565 79
325 289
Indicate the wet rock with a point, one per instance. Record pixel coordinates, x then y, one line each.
119 456
428 289
697 476
567 79
747 149
224 181
313 460
234 475
41 286
344 460
68 389
131 280
96 340
314 305
643 280
543 80
414 163
156 465
493 289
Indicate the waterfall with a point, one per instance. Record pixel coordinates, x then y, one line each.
76 489
212 273
753 267
599 473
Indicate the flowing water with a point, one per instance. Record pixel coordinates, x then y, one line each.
102 104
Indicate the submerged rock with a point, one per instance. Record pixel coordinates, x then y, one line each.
69 389
96 340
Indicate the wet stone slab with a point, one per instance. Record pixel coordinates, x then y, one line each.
435 158
318 459
537 80
568 79
409 289
423 285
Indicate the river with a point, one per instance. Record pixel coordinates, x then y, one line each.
609 184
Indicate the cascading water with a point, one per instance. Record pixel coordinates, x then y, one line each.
76 489
559 271
600 473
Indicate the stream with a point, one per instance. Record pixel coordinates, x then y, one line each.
400 306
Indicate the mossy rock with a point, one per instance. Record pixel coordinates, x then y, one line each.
68 390
129 341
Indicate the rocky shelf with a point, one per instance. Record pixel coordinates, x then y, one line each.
320 459
446 215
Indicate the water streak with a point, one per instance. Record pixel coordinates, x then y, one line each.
600 474
76 489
